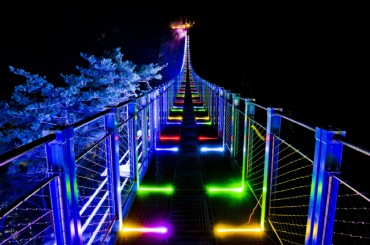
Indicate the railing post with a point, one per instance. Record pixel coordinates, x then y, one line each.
132 143
160 109
248 137
323 196
215 104
271 155
64 190
152 117
235 124
157 116
113 171
221 115
144 128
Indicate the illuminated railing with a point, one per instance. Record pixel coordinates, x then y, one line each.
292 170
86 175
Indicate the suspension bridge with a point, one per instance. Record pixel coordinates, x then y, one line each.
188 163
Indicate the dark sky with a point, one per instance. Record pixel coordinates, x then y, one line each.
309 57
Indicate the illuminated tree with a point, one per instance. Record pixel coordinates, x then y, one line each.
38 105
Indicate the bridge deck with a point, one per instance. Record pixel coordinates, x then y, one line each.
190 212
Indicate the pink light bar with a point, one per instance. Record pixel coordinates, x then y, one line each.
160 229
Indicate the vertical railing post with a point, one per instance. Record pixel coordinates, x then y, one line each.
64 190
157 104
248 138
272 143
160 109
227 99
165 104
323 196
235 124
112 145
144 128
152 121
222 117
215 101
132 143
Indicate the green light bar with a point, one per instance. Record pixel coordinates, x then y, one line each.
216 189
168 189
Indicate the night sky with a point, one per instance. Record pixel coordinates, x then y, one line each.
309 58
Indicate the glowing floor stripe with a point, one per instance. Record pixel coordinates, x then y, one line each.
156 189
233 230
206 149
204 123
174 118
168 122
169 137
167 149
177 109
160 229
202 118
216 189
207 138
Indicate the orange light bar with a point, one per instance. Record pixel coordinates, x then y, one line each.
207 138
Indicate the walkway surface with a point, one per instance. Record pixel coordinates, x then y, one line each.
191 213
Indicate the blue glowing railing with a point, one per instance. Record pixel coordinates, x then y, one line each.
89 175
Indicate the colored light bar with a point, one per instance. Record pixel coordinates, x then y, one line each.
168 122
210 149
177 109
239 230
168 189
160 229
204 123
207 138
219 189
202 118
199 109
174 118
167 149
169 137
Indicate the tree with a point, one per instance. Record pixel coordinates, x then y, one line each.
38 105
